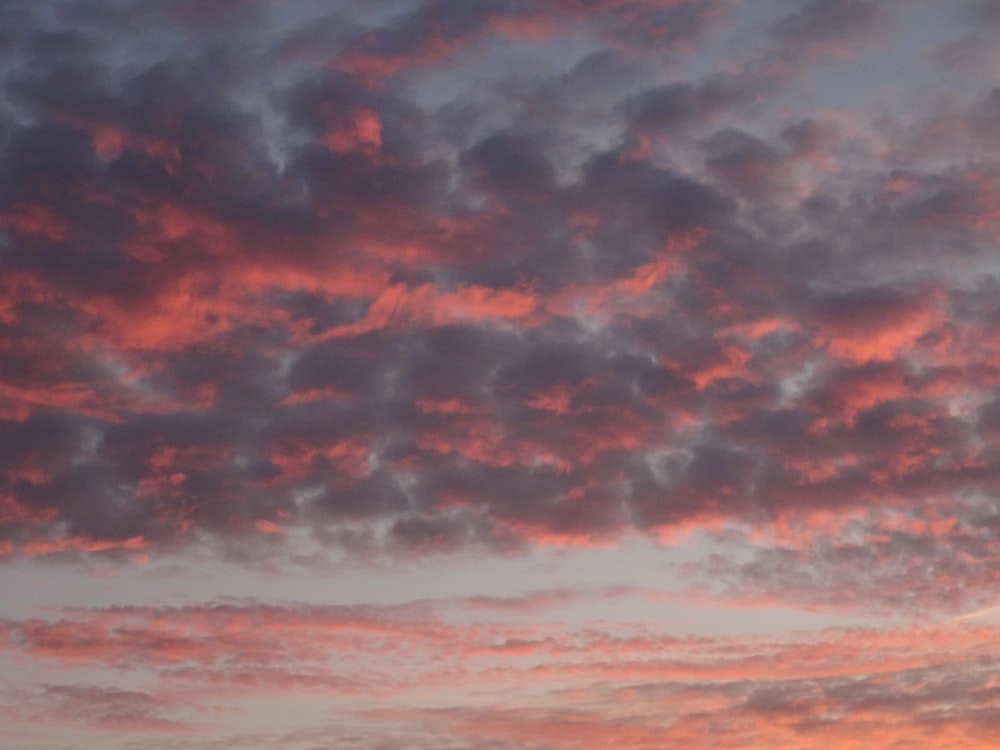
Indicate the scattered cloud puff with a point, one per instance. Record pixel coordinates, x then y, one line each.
362 278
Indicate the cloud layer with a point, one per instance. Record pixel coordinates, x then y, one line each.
425 666
372 280
293 285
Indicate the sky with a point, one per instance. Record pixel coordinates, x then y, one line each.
499 374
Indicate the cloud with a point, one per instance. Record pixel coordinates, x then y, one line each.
250 297
418 666
827 24
64 709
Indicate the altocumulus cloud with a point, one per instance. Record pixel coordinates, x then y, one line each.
340 273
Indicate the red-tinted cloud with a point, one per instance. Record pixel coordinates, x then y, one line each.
626 683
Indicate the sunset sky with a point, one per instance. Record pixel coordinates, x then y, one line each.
499 374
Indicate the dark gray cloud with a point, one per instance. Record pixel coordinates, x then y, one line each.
679 106
823 21
983 12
